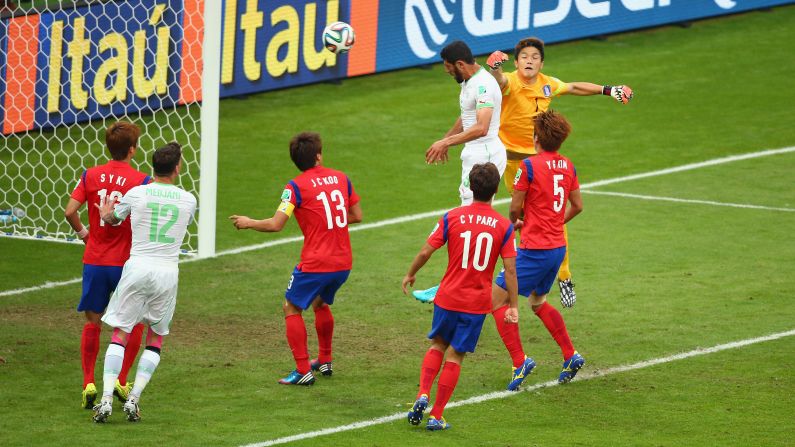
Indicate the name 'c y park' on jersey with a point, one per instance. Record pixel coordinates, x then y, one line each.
476 235
548 178
321 197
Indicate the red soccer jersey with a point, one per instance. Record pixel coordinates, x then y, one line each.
321 197
475 235
107 244
548 179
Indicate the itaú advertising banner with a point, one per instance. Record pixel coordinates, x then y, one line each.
88 62
412 32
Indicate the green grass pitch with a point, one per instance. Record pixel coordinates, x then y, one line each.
654 278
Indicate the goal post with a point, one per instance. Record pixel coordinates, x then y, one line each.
70 69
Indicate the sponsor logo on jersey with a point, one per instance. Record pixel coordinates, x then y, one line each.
547 91
436 227
287 194
518 176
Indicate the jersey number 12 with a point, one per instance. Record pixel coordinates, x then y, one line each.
156 232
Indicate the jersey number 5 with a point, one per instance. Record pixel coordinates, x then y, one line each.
558 192
156 232
341 219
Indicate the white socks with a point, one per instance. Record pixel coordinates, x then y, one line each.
146 367
114 357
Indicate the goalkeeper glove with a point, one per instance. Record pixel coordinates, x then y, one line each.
496 59
621 93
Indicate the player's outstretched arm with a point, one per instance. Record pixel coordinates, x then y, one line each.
73 217
621 93
438 150
355 214
512 286
495 61
271 225
422 257
575 208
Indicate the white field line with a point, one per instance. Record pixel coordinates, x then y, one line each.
551 383
699 202
412 217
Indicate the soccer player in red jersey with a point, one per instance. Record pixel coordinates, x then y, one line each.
543 185
324 203
476 235
107 249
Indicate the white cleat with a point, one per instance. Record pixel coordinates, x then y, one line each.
102 411
132 410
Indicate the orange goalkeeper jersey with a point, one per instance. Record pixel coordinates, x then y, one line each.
520 104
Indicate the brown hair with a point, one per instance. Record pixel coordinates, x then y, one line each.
120 137
484 179
529 42
304 148
166 159
551 129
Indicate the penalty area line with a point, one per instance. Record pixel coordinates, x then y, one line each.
438 213
691 201
551 383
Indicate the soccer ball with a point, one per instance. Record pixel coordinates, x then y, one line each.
338 37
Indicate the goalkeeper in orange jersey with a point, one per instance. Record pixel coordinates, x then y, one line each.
526 93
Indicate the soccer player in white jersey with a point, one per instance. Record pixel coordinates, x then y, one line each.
147 292
477 127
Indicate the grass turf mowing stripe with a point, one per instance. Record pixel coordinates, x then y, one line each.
412 217
551 383
694 201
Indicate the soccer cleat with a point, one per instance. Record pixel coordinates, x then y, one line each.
89 396
324 368
132 410
427 295
103 410
415 415
519 373
122 392
567 295
570 368
436 424
296 378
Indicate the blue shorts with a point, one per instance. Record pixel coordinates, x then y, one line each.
304 287
460 329
536 270
99 282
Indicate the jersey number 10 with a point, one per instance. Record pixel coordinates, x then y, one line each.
481 256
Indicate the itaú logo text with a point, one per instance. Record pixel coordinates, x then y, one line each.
515 15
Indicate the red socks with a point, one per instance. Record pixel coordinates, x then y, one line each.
131 352
444 389
553 320
324 325
89 348
509 332
296 338
430 368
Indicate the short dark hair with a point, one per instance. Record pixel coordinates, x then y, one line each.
120 137
534 42
484 179
165 159
304 148
551 128
457 51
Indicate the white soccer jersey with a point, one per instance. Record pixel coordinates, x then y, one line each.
160 214
481 90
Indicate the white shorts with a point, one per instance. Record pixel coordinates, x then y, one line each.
474 153
147 292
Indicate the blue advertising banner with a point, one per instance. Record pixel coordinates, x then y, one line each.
412 32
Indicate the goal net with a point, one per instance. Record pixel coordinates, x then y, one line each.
70 69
